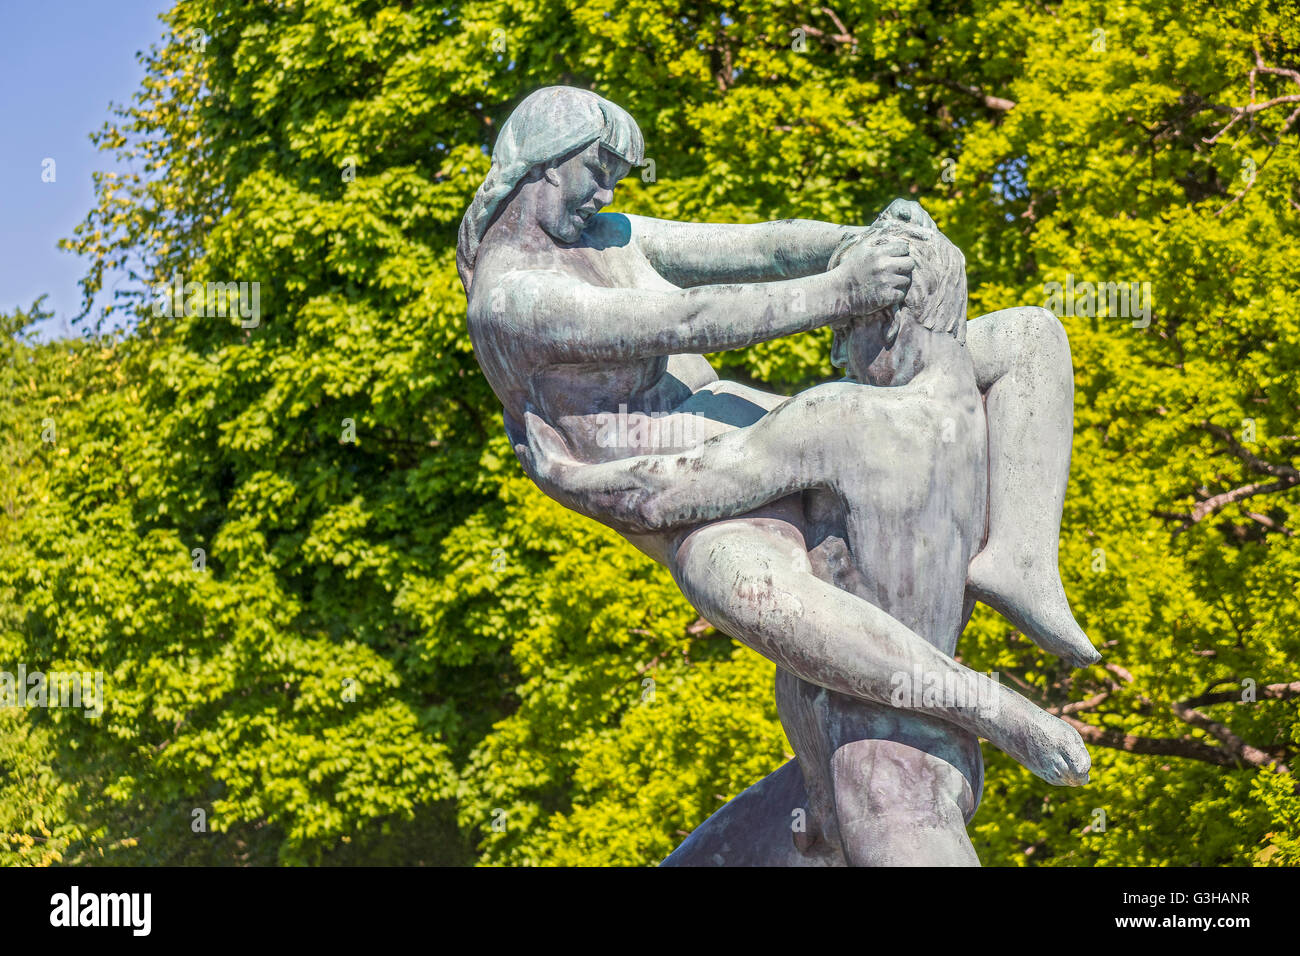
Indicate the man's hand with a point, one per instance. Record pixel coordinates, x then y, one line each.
876 275
617 493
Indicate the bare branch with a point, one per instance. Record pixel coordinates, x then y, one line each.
1234 752
1218 502
1122 673
999 103
1075 706
1158 746
846 38
839 24
1269 692
1288 477
1267 522
1250 109
1254 462
1233 744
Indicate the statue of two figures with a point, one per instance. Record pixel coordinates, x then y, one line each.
844 533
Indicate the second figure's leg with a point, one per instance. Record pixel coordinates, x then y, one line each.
1022 362
884 788
751 578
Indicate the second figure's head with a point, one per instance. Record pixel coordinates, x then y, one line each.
935 302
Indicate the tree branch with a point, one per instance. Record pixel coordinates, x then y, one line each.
1232 744
1216 503
1253 461
845 38
1157 746
1287 475
1250 109
1234 752
1269 692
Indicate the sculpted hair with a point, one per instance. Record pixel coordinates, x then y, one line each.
548 125
937 297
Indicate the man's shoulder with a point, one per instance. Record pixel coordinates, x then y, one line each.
498 294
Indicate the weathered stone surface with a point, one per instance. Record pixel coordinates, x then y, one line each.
844 533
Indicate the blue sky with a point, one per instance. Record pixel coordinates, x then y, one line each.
64 61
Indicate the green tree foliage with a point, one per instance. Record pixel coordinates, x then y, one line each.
392 648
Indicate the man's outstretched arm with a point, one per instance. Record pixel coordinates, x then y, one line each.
704 253
691 254
561 320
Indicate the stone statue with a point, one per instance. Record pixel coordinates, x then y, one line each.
844 533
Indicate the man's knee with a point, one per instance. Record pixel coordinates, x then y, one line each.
737 551
732 572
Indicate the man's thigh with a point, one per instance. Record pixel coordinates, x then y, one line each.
875 772
899 806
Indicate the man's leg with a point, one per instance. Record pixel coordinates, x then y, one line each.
899 806
1022 364
885 788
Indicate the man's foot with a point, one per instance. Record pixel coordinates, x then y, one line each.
1027 591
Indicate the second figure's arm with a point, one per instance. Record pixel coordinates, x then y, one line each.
787 450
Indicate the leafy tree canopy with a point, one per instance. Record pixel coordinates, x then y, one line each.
333 616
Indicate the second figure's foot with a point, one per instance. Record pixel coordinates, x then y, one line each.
1027 591
1040 742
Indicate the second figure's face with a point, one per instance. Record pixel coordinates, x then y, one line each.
858 344
582 185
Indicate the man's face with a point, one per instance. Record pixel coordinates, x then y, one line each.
582 186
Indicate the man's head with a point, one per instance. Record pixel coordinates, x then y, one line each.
935 302
578 143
